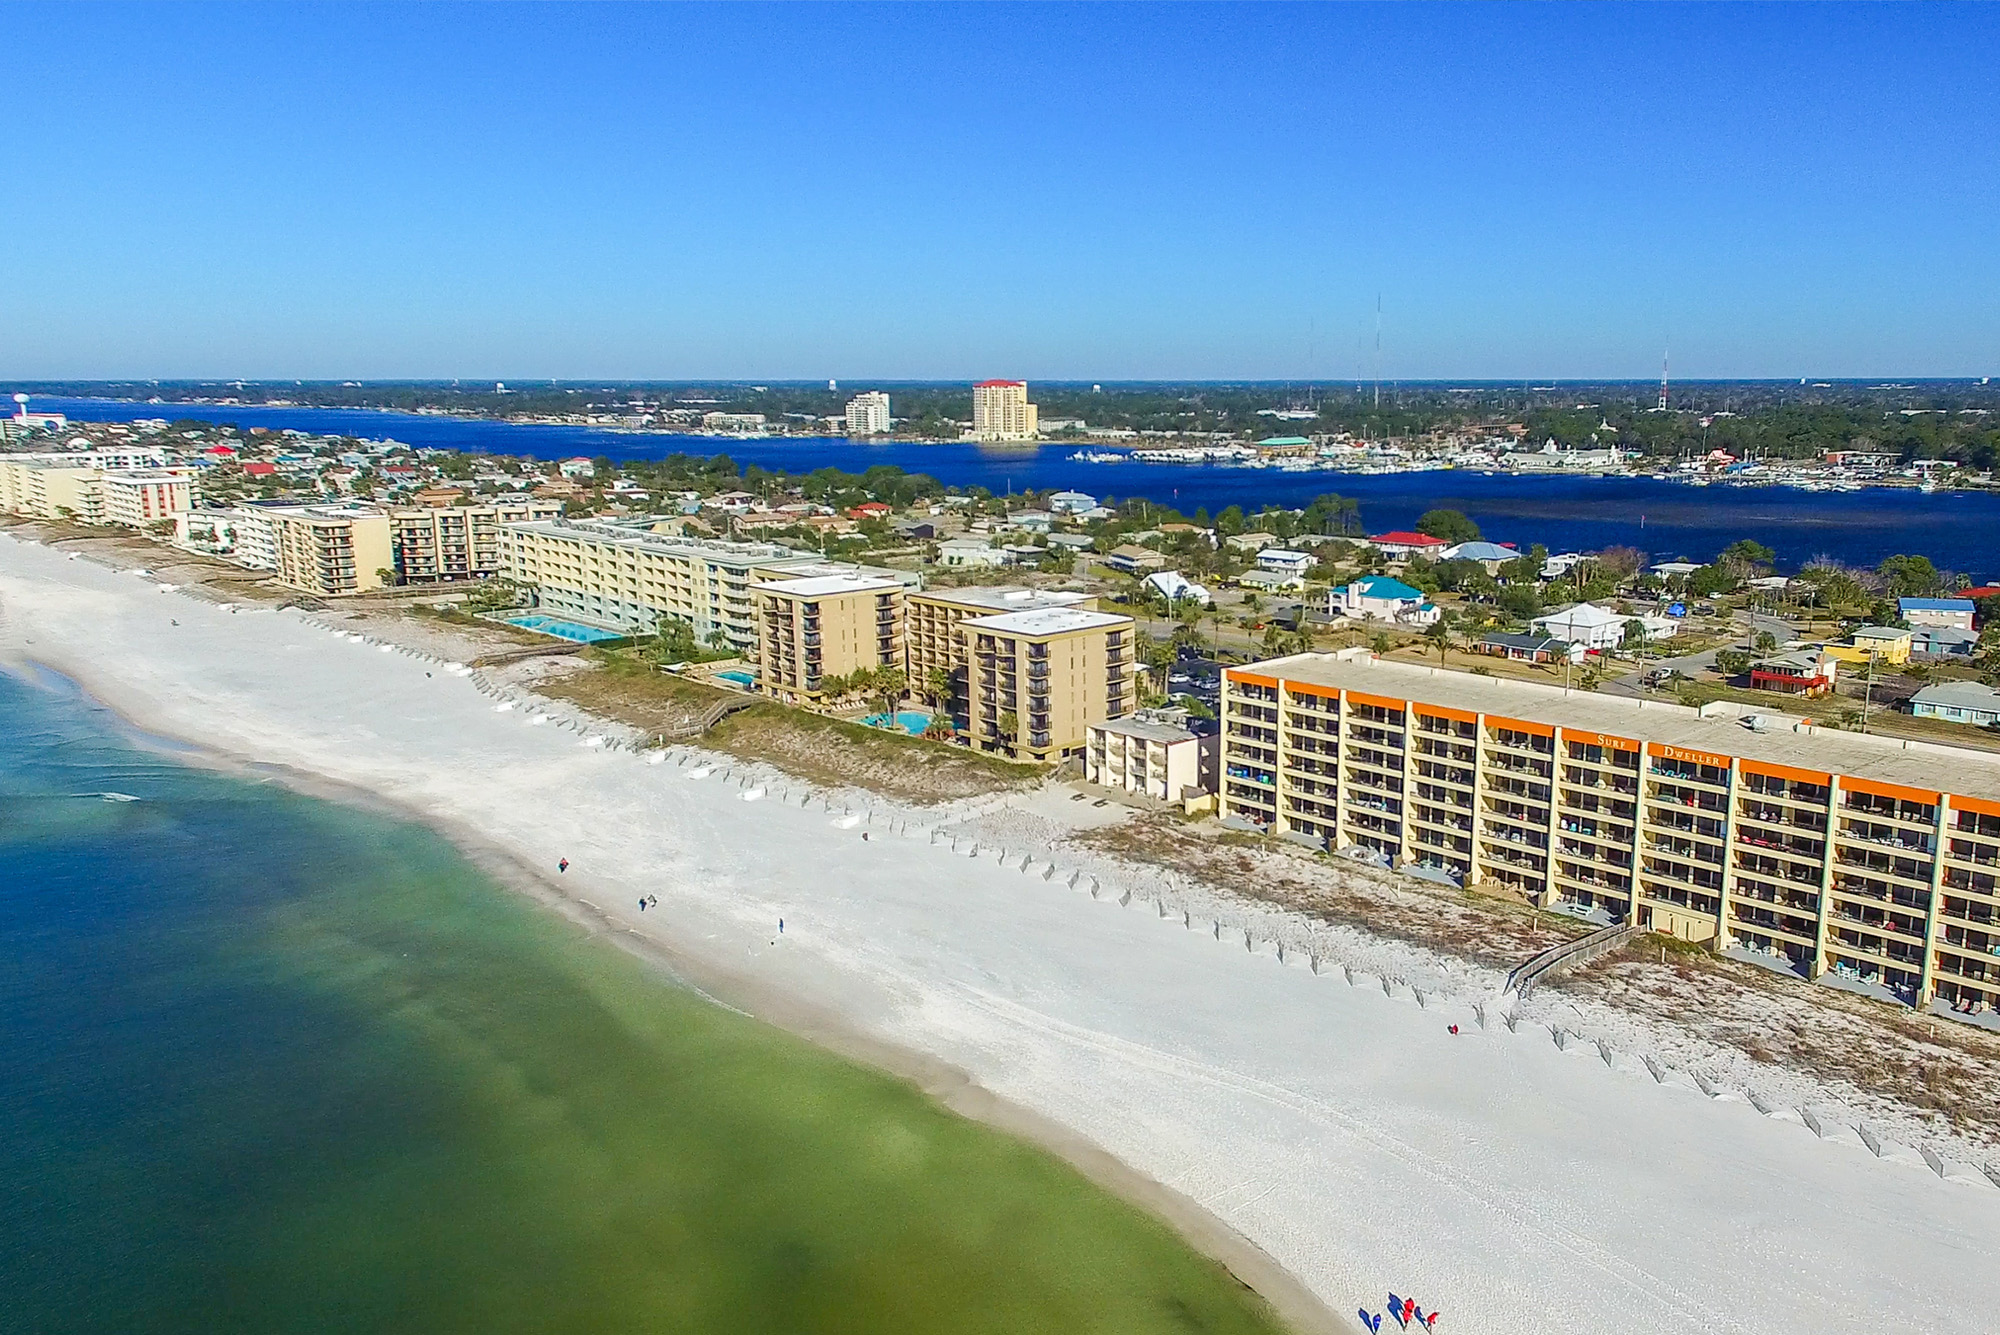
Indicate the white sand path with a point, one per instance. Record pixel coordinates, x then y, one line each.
1514 1186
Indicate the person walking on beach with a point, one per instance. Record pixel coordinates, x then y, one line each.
562 864
781 927
642 903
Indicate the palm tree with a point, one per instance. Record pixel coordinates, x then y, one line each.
1439 633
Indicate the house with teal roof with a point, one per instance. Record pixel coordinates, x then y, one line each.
1380 598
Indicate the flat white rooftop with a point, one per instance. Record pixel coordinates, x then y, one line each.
1788 740
1008 600
1047 621
827 586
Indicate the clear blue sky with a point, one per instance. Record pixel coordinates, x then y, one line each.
1103 192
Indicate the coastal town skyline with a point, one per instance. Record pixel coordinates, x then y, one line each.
1331 195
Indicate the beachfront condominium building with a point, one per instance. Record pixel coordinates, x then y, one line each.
86 487
937 652
1001 411
1819 852
243 534
814 629
1156 753
868 414
142 497
1040 678
331 550
628 577
443 543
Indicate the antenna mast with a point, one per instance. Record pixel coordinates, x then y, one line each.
1378 349
1663 382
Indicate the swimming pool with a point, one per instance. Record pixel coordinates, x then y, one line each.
743 679
912 721
562 630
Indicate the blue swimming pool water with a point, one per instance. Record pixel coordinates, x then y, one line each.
743 679
912 721
562 630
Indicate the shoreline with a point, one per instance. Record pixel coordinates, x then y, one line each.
1811 486
1330 1122
950 1087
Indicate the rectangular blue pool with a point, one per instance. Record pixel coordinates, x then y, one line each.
562 630
743 679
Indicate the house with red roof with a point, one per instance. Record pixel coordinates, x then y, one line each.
1402 545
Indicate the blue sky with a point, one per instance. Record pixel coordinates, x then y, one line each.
1106 192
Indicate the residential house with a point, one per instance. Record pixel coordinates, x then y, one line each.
1491 555
1379 598
1401 545
1946 613
1071 502
1600 628
1528 648
1284 561
1805 672
1134 560
1174 587
963 552
1958 702
1877 644
1943 642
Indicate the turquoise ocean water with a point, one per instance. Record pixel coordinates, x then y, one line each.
269 1063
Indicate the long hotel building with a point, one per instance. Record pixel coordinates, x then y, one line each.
1823 850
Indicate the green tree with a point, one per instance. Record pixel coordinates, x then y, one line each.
1910 576
1440 635
1452 526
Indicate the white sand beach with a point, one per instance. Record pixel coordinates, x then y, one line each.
1513 1185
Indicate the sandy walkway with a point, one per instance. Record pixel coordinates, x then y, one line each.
1514 1185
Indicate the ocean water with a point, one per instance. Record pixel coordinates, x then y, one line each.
270 1063
1667 519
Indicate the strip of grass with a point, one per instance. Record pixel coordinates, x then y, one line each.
821 750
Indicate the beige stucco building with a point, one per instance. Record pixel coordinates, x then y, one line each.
82 487
824 626
1154 753
936 642
1816 851
1039 679
331 549
439 544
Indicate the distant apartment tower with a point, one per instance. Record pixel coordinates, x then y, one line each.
1001 411
868 414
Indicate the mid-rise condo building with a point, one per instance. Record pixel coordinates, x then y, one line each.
937 645
126 487
330 550
1001 411
820 627
1815 850
1040 678
444 543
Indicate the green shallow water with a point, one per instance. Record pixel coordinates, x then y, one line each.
273 1064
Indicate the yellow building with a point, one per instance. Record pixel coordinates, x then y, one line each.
629 578
1039 679
936 644
142 497
436 544
1816 851
1885 646
824 626
1001 411
331 549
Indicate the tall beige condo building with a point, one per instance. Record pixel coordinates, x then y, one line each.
437 544
332 549
868 414
937 643
1001 411
1810 851
825 626
1039 679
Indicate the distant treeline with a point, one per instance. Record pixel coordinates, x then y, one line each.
1956 420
